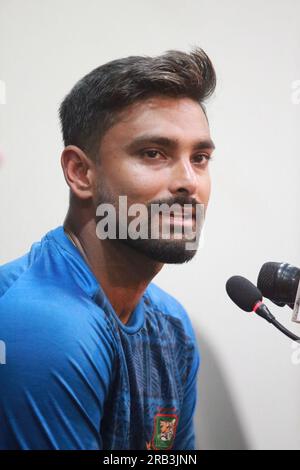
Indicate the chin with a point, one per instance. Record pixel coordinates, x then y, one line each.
163 251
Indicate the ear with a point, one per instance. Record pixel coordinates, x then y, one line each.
78 171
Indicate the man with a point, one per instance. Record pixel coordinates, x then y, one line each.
97 355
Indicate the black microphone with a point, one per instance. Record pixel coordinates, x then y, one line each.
249 298
279 282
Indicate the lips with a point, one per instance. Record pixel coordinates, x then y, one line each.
182 218
185 214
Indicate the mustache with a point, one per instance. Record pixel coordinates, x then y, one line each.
181 200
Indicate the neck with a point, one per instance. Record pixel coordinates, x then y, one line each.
122 272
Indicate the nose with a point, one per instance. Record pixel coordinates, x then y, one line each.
183 179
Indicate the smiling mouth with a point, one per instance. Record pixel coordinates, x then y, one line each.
181 218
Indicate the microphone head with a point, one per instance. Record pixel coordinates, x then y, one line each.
243 293
267 279
279 282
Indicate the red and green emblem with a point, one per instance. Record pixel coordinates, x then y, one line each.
165 425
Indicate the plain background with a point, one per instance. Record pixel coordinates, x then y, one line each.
249 388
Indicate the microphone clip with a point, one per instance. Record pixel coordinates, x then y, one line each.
296 311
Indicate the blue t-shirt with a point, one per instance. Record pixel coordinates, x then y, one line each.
75 376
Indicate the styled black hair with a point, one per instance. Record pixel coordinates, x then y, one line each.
93 104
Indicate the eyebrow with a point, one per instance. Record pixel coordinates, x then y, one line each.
167 142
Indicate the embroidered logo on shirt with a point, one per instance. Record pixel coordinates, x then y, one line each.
165 425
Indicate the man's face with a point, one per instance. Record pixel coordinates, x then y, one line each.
157 152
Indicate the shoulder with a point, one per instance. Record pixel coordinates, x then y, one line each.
45 318
10 272
51 314
56 336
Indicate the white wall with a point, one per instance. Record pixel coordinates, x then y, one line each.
249 389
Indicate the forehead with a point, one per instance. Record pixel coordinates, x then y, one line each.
176 117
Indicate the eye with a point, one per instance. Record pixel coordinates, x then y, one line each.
202 159
150 153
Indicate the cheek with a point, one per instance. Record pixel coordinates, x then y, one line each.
144 188
204 189
136 183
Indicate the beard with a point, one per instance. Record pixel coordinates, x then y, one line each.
164 250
